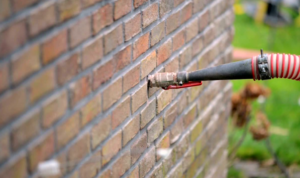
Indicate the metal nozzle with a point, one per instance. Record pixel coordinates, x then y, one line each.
162 79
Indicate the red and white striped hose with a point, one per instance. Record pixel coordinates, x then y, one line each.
280 66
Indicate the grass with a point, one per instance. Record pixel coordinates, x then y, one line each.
282 106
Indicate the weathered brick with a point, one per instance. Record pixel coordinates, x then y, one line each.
90 110
41 151
82 27
123 58
190 116
54 47
187 12
103 73
122 7
4 9
42 85
170 116
176 171
197 46
163 99
113 39
139 98
121 165
155 129
4 145
133 27
198 5
196 131
172 66
12 37
67 130
178 40
176 131
19 164
204 20
157 33
185 57
157 172
150 14
19 5
182 146
138 3
112 94
134 173
80 89
4 77
92 52
87 3
79 150
131 129
163 143
12 105
148 113
100 131
138 147
106 174
140 46
25 64
182 103
165 7
37 24
131 78
102 18
121 112
111 147
68 9
91 167
148 64
164 52
68 68
188 159
147 162
173 22
177 2
192 30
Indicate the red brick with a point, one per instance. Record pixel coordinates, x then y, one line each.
54 47
190 116
67 69
4 145
68 9
204 20
178 40
12 37
103 73
140 46
147 162
187 12
121 165
79 150
173 22
111 147
139 98
163 99
92 52
177 2
80 89
82 27
138 3
192 30
133 27
106 174
197 46
158 172
91 167
150 15
131 129
121 112
38 24
4 77
19 5
90 110
164 52
170 116
155 129
100 131
87 3
165 7
131 78
176 131
41 151
138 147
163 142
148 113
123 58
172 66
26 63
134 173
112 94
12 105
113 39
176 171
54 109
198 5
19 164
122 7
26 130
185 57
157 33
148 64
67 130
102 18
4 9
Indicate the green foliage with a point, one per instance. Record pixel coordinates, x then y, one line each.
234 173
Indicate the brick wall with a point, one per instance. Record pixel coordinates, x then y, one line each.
73 87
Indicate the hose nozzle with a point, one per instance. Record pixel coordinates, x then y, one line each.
163 79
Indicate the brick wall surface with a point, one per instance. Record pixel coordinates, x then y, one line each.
73 87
